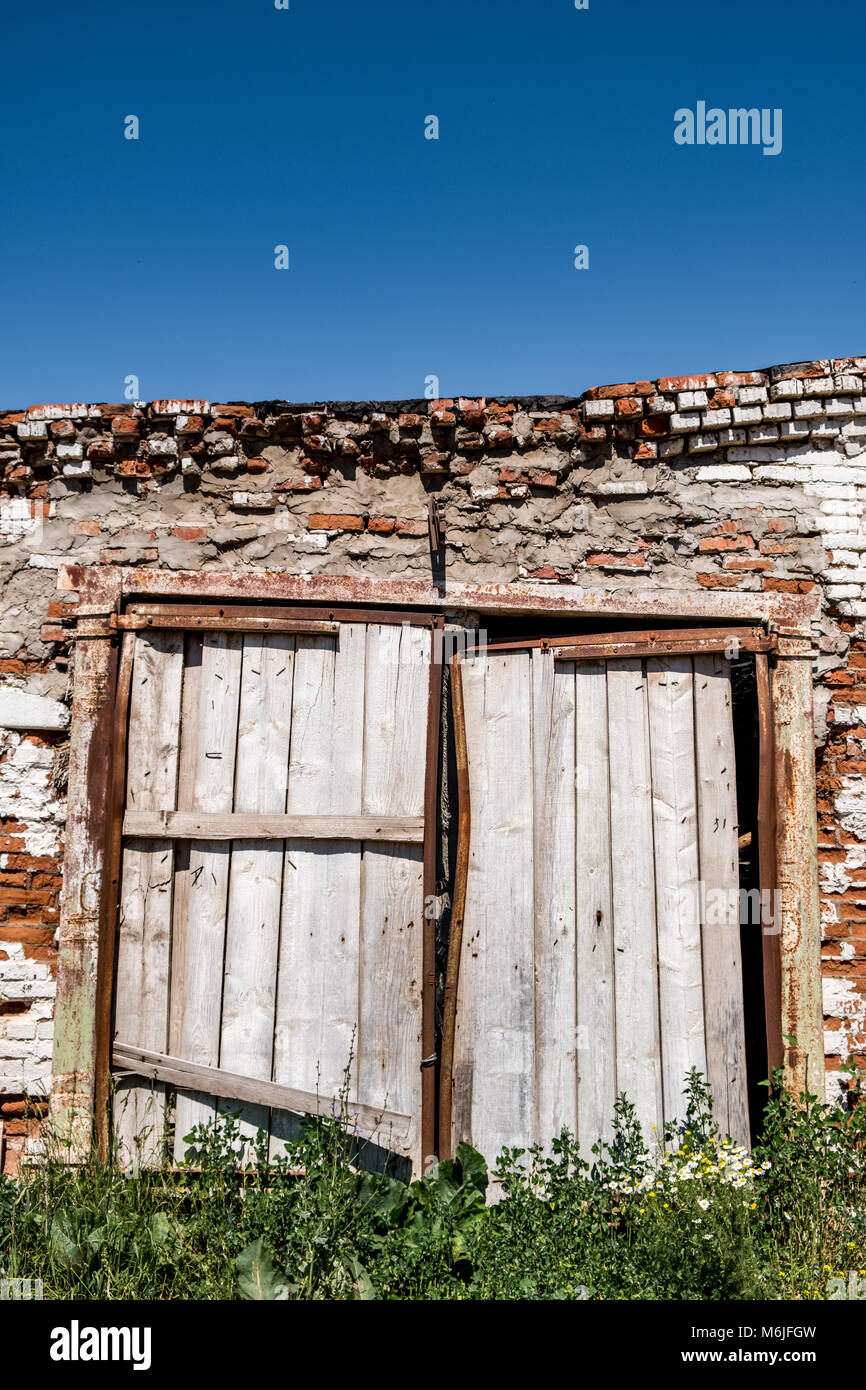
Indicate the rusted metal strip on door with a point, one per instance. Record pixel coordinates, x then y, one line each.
649 642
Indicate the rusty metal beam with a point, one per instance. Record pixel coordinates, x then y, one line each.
797 860
81 905
751 638
794 610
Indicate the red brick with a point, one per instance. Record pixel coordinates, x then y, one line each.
381 525
777 547
717 581
233 412
101 450
689 383
601 558
741 379
727 543
189 533
309 484
325 521
736 562
653 426
412 528
34 862
629 405
789 586
645 450
125 427
84 528
628 388
24 897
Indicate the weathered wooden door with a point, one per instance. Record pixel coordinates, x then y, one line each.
603 796
271 901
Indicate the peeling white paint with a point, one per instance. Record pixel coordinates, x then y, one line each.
27 793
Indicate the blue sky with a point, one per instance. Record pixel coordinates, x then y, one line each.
410 257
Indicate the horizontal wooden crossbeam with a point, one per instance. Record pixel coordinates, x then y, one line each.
388 1126
202 825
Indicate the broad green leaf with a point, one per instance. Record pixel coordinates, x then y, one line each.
259 1276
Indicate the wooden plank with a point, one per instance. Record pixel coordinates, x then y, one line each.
392 914
256 881
144 942
198 825
216 1081
719 866
596 1025
675 836
109 921
207 760
449 1100
634 924
317 991
556 1037
494 1054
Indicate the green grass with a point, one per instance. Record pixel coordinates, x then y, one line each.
683 1215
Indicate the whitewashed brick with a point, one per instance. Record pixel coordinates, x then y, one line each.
847 384
786 390
598 410
806 409
763 434
819 386
747 415
703 443
778 410
688 400
713 419
774 474
794 429
723 473
756 455
683 423
751 395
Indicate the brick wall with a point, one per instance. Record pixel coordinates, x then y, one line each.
734 481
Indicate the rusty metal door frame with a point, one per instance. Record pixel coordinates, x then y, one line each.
114 601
